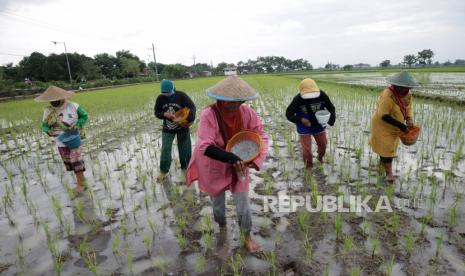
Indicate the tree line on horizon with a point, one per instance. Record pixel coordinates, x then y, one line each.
124 65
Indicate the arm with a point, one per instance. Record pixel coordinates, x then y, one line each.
292 110
158 111
330 107
388 119
189 104
409 108
82 117
45 127
219 154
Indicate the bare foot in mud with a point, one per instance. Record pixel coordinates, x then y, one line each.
79 189
389 178
251 245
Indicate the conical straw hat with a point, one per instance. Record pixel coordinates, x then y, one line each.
54 93
232 88
403 79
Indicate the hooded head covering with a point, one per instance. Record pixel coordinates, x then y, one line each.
232 88
403 79
167 87
309 89
53 93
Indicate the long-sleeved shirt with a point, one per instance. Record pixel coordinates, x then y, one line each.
171 104
305 108
68 114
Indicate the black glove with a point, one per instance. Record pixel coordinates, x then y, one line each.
388 119
221 155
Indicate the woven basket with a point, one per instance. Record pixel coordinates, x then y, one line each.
411 136
246 135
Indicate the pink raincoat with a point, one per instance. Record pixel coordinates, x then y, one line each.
215 176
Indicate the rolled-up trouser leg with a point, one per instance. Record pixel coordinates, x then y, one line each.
184 148
244 217
219 209
306 147
321 142
166 145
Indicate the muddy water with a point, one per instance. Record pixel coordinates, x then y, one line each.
128 222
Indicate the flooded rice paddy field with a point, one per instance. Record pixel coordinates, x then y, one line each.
436 84
128 223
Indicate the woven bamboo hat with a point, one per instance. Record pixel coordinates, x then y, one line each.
403 79
232 88
54 93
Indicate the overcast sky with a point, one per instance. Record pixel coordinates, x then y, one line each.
342 32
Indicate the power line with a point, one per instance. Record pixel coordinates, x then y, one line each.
10 54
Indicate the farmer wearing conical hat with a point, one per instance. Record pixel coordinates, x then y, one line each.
167 104
301 111
393 114
218 170
63 119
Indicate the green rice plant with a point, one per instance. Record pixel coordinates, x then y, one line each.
437 251
235 263
57 209
200 262
338 221
161 264
302 218
90 259
271 259
348 244
326 272
182 240
148 241
152 225
374 246
409 244
307 246
129 260
115 244
395 221
389 266
355 271
452 216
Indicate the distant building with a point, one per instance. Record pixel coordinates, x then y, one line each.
230 71
361 66
206 73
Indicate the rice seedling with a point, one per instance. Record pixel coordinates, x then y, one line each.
348 244
271 259
409 244
235 263
200 261
338 226
307 246
374 246
389 266
129 259
148 242
438 248
115 244
355 271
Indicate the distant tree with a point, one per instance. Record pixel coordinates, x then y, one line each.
385 63
348 67
1 72
410 60
174 71
32 66
108 65
130 67
88 70
425 56
219 69
459 62
11 72
447 63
